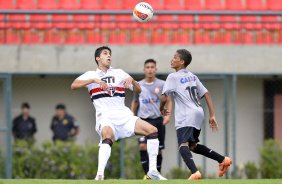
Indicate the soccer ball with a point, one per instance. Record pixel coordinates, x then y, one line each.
143 12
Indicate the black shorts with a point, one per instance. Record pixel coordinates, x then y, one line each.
158 123
187 134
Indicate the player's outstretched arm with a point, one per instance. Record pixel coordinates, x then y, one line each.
130 81
76 84
212 120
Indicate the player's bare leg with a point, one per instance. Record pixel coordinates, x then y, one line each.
104 151
144 128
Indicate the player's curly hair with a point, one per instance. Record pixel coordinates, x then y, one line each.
99 50
185 55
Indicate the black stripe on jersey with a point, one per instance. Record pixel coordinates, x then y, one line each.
95 97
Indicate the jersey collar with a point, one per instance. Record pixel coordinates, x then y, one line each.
183 70
101 73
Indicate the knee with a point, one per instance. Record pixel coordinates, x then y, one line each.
107 133
192 146
152 130
183 145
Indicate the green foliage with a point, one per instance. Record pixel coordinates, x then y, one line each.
67 160
133 168
178 173
2 165
271 159
251 170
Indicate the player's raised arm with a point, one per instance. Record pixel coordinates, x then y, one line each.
86 79
212 120
130 82
76 84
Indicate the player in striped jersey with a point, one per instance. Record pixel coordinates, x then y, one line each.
147 106
114 120
186 89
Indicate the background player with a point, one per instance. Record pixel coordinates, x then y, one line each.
147 106
187 89
113 119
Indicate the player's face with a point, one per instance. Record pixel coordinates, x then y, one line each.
150 70
176 61
105 58
60 113
25 111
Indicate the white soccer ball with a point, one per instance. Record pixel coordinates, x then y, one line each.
143 12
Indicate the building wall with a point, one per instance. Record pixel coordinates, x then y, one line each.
77 59
44 93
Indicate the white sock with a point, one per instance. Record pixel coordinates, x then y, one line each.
153 149
104 155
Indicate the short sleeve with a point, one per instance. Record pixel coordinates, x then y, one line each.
200 88
87 75
123 74
169 86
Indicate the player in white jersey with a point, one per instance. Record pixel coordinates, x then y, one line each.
186 89
114 120
147 106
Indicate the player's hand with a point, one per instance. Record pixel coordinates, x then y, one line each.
128 82
165 112
102 84
166 120
213 124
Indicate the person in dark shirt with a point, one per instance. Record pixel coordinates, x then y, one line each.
63 125
24 126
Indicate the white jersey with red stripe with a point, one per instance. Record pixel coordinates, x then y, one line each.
112 98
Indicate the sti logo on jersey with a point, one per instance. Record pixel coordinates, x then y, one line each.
110 79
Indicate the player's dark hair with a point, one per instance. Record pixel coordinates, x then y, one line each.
185 55
99 50
61 107
25 105
150 61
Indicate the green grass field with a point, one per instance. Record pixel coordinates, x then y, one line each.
210 181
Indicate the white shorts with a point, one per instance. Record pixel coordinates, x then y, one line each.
122 123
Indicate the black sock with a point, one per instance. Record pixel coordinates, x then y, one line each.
203 150
144 160
188 158
159 162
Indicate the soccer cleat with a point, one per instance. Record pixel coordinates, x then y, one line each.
146 177
224 166
196 176
99 177
155 175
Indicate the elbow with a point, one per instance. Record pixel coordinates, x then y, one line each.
73 86
138 90
163 98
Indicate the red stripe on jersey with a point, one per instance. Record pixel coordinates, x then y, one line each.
97 90
120 89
